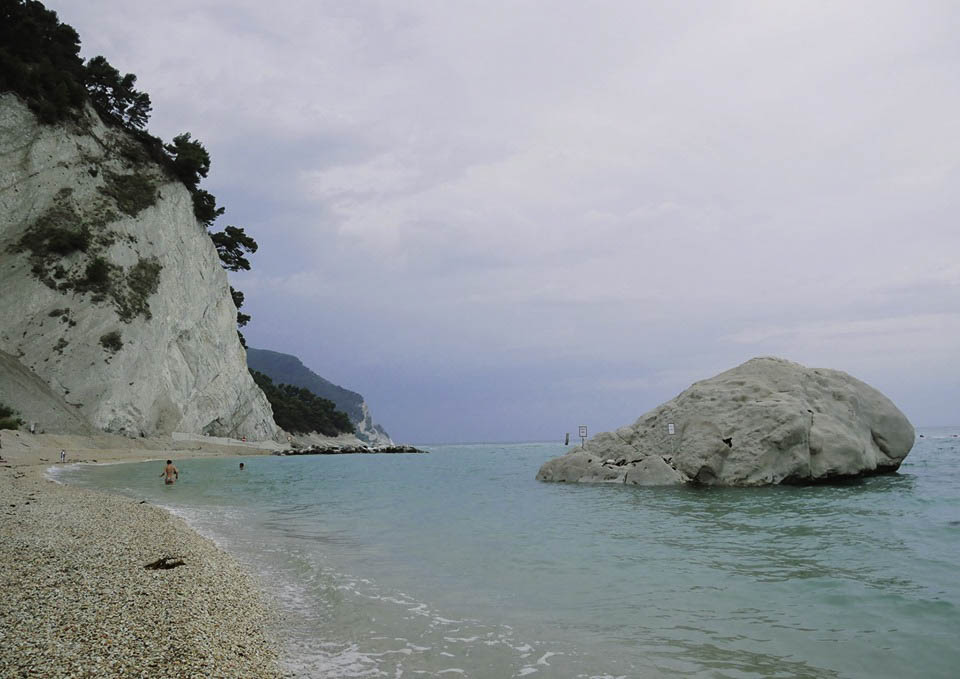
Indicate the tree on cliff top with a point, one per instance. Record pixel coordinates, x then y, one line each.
114 96
39 60
231 244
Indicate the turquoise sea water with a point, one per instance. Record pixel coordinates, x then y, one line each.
460 564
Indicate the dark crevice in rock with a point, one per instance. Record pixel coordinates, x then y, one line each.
835 479
705 476
881 443
728 441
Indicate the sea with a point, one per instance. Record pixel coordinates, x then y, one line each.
458 563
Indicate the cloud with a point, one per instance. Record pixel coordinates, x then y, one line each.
648 191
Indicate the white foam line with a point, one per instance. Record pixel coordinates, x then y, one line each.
543 658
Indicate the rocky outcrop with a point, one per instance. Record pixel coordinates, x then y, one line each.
288 369
768 421
112 292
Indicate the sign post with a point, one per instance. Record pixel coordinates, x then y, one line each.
583 435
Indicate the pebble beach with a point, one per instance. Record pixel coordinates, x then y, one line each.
76 598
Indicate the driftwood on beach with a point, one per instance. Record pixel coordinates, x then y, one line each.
349 450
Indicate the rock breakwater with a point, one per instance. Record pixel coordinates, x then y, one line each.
350 450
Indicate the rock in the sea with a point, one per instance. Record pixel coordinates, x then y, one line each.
767 421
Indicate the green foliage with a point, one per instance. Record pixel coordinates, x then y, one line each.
96 277
232 243
112 341
142 281
39 60
9 418
205 207
56 232
132 192
144 276
55 235
190 161
300 411
242 319
114 96
237 297
289 369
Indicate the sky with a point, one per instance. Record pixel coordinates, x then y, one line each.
500 220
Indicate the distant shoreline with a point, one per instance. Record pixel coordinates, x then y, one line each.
78 599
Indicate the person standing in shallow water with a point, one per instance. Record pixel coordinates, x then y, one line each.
170 472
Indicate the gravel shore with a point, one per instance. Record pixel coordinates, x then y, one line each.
77 601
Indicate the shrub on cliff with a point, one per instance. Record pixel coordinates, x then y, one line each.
132 192
8 418
112 341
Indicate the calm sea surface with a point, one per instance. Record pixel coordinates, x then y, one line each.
460 564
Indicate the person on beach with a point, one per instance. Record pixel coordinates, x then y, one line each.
170 472
63 456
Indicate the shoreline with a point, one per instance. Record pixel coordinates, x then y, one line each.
77 599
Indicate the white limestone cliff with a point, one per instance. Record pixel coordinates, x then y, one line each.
767 421
178 364
370 432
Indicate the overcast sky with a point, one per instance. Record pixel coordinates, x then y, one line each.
499 220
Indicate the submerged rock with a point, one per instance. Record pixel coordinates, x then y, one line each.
767 421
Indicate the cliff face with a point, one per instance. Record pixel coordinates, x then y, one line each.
288 369
111 293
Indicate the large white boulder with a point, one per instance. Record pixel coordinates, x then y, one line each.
767 421
176 363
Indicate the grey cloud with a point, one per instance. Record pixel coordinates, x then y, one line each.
499 201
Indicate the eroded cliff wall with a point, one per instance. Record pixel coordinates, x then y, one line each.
111 292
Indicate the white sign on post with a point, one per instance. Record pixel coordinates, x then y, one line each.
670 429
583 431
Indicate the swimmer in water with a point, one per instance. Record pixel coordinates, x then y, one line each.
170 472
